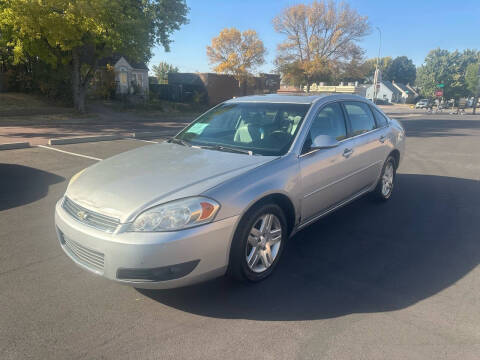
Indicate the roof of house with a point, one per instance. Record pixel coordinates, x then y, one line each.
390 86
185 78
403 87
112 60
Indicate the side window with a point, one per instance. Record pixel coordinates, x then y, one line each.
361 118
379 118
329 121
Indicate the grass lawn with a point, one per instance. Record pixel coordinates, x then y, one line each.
16 103
18 109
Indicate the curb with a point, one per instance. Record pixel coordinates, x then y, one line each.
153 134
83 139
14 145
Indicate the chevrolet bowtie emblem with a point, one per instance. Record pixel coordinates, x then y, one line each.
82 215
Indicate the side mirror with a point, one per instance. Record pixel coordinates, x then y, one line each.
324 142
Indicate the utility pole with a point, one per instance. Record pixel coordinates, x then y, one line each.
475 98
376 76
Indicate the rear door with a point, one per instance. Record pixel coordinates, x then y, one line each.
367 157
383 126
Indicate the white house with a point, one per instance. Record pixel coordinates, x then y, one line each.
407 92
386 91
131 77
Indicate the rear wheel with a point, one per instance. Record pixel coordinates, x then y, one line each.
258 243
383 190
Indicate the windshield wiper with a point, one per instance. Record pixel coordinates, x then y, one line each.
227 148
179 141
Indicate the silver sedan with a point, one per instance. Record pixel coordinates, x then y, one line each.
227 192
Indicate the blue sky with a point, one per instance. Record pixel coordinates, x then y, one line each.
409 27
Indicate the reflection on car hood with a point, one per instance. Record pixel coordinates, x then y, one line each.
132 181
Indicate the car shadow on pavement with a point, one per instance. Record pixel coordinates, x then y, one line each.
365 257
20 185
439 128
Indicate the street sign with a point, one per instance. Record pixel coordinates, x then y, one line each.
439 93
440 85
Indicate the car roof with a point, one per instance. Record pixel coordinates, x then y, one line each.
294 98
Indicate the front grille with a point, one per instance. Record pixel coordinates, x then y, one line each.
88 257
90 218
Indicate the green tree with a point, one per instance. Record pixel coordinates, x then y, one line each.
447 68
317 36
81 32
473 82
162 70
353 70
401 70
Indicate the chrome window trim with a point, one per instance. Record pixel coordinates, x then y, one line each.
349 138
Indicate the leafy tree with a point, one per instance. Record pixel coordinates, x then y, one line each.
81 32
236 53
448 68
353 70
473 82
162 70
401 70
317 35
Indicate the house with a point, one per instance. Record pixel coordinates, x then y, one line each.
386 91
413 90
349 88
131 78
289 89
408 94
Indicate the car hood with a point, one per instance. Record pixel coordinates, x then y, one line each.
126 184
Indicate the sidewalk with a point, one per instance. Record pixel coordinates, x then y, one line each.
39 134
24 118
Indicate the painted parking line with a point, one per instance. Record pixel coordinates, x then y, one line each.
69 153
148 141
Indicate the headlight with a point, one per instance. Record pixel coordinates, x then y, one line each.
176 215
75 177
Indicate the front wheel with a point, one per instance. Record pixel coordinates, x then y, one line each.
258 243
383 190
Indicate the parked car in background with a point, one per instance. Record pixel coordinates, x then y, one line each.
422 104
226 193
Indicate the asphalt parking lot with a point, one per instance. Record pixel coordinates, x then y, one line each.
398 280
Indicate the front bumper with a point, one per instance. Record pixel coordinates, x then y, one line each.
205 248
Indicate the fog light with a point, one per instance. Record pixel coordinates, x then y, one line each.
164 273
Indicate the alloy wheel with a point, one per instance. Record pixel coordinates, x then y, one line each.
263 243
387 180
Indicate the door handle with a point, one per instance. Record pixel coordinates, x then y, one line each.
382 139
347 153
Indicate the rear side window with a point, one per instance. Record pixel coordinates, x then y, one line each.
379 118
361 118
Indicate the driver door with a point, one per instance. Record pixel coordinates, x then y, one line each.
326 172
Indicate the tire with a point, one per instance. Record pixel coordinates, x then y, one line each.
384 189
269 247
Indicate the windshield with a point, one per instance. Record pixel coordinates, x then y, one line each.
262 128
